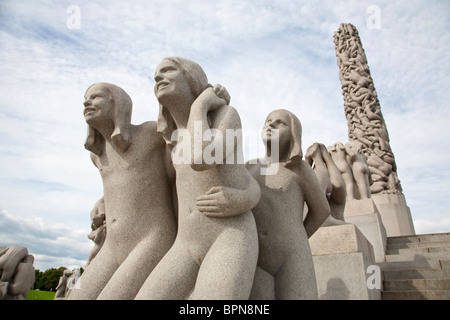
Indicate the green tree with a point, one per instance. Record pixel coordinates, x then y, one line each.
38 283
48 280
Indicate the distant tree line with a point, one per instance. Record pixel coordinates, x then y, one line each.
48 280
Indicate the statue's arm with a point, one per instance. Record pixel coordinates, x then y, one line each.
209 119
338 194
318 207
221 202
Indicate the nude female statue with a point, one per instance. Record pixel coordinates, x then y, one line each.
360 170
140 221
215 253
285 267
62 286
339 156
331 181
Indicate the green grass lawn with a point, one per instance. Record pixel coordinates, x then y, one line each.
40 295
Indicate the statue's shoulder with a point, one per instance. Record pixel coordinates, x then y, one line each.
304 173
147 132
147 127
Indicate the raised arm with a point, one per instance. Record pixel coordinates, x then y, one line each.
209 119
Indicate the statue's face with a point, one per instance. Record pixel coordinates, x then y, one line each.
98 105
280 121
351 148
171 83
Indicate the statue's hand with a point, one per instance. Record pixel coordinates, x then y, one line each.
219 202
222 93
9 260
209 100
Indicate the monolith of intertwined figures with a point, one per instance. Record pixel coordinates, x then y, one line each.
367 128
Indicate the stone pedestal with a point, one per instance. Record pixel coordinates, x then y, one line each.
365 215
395 214
341 257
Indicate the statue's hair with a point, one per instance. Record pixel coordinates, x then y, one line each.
121 136
295 144
197 81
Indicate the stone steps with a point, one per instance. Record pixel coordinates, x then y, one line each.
417 284
432 237
417 268
417 256
416 274
418 250
415 245
417 295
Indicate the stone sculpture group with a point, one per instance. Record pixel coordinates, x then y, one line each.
196 228
183 217
176 224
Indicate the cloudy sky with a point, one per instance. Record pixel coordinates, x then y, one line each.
268 54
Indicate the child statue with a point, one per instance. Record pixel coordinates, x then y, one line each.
140 220
215 253
285 268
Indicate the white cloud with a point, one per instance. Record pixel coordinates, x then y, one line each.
423 226
47 242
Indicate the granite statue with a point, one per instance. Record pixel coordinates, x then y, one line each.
62 285
339 156
72 281
361 174
285 268
215 252
331 181
140 220
16 273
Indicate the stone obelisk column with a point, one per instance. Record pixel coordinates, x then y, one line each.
367 127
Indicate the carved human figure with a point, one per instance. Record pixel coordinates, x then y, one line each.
360 170
72 281
98 226
62 285
359 134
140 221
24 279
339 156
16 273
285 267
215 253
330 180
9 259
380 171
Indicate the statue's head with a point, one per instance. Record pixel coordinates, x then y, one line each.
353 147
107 103
289 134
336 147
176 79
